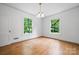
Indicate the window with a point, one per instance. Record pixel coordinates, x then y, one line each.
55 25
27 25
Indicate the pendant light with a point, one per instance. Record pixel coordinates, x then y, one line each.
40 14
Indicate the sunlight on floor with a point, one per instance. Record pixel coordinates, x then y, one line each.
41 47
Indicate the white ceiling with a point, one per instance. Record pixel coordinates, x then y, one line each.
47 8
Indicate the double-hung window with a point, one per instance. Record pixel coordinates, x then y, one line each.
27 25
55 25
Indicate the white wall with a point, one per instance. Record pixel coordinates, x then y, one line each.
13 19
69 26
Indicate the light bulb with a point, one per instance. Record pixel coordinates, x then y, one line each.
40 14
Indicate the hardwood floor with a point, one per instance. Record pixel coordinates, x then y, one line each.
41 46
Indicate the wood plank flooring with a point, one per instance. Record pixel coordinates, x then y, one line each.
40 46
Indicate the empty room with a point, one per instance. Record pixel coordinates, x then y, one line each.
39 28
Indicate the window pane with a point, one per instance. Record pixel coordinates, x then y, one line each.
55 25
27 25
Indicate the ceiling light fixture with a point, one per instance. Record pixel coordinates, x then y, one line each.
40 14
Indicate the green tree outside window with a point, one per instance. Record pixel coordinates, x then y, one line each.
27 25
55 25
